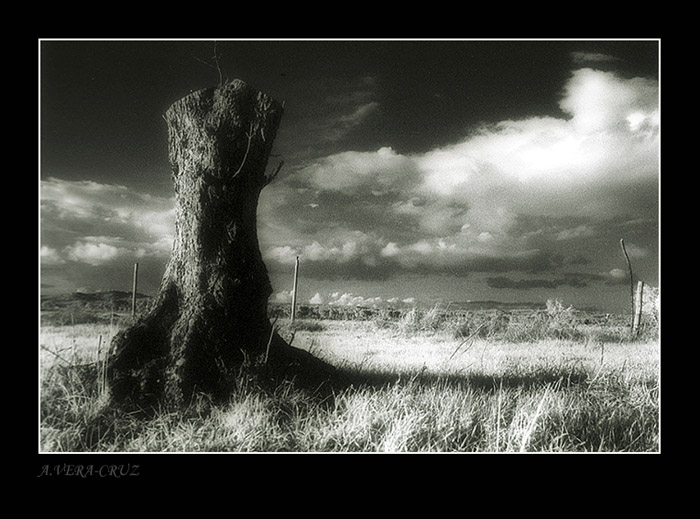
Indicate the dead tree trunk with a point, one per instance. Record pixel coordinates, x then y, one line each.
211 311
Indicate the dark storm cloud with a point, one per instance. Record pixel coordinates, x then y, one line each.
574 280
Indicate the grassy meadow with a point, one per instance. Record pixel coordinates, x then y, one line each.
422 381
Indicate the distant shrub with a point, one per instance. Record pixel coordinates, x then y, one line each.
417 320
482 325
562 321
556 322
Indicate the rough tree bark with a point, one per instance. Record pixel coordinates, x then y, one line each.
210 314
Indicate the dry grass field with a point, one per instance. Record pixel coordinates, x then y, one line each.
418 383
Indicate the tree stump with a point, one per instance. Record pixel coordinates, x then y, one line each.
210 314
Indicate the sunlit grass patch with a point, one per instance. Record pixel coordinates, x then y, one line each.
428 391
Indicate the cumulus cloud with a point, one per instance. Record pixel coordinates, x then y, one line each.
602 101
350 299
576 232
110 204
556 166
317 299
617 276
346 254
366 256
474 205
283 296
100 250
504 198
92 253
366 173
50 256
130 223
537 165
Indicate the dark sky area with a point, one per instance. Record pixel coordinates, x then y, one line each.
414 170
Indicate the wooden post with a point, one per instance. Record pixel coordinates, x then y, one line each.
294 288
133 290
629 267
638 304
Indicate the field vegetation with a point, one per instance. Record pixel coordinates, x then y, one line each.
416 380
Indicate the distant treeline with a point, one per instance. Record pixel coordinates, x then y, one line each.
444 311
106 307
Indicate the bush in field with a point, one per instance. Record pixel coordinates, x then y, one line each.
556 322
417 320
561 322
482 325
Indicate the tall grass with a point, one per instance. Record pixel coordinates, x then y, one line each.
442 415
405 394
556 321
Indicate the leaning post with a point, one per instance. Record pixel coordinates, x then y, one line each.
638 304
294 289
133 289
631 274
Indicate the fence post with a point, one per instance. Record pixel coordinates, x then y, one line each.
294 288
629 268
133 290
638 304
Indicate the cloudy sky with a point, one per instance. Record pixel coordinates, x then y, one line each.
414 170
